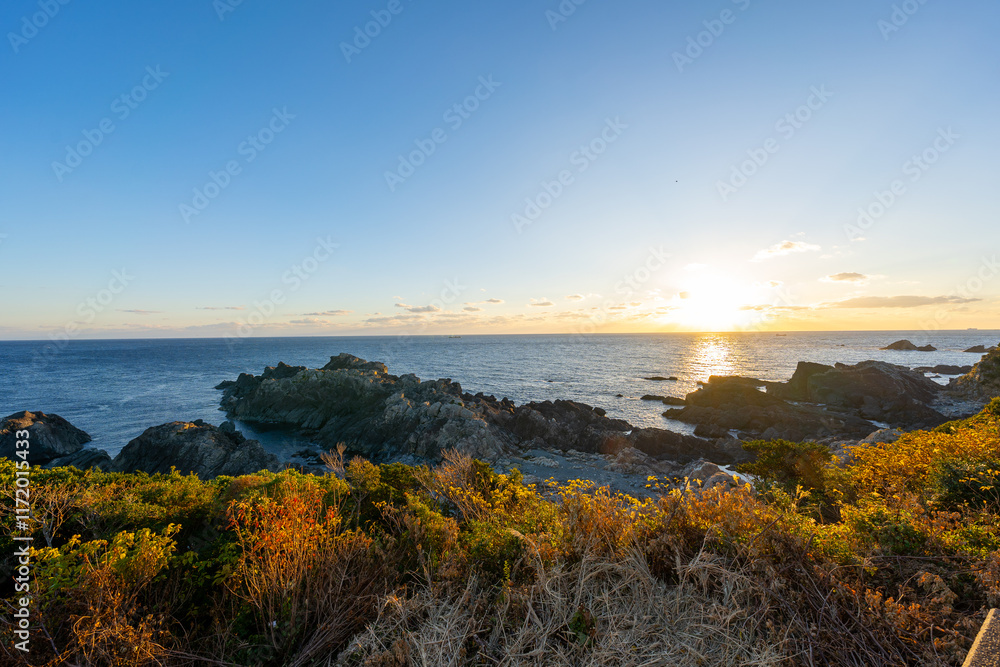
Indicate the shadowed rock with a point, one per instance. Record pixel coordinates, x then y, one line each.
49 436
83 460
194 447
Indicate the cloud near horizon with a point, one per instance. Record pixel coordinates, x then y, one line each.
419 309
541 303
136 311
329 313
899 301
847 277
221 308
784 248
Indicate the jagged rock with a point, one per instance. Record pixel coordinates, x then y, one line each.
982 382
658 378
653 397
673 400
880 391
726 403
385 417
49 436
194 447
977 348
83 460
944 369
680 448
797 389
926 348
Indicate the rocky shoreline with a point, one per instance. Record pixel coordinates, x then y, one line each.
384 417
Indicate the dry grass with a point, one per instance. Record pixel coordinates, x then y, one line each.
598 611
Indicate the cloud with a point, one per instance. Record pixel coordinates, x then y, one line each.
494 301
472 309
329 313
847 277
136 311
419 309
308 320
221 308
575 297
899 301
541 303
784 248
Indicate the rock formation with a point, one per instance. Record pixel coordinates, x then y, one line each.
49 436
982 382
194 447
385 417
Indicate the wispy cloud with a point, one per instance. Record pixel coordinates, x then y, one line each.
784 248
472 309
899 301
221 308
136 311
541 303
329 313
419 309
575 297
847 277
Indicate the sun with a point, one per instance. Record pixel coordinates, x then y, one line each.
713 302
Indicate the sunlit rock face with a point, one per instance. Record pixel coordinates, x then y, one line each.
983 381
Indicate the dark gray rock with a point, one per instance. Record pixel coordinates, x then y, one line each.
903 345
880 391
83 460
659 378
977 348
797 389
194 447
673 400
49 436
944 369
653 397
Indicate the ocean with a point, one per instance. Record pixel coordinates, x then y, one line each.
115 389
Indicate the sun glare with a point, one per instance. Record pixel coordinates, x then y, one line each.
712 302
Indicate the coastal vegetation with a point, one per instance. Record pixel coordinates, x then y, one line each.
887 554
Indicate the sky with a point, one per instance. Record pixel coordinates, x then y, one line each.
247 168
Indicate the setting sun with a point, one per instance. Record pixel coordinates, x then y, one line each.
713 302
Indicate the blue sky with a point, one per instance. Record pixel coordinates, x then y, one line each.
660 222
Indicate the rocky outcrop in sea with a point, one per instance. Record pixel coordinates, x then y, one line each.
48 437
387 417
